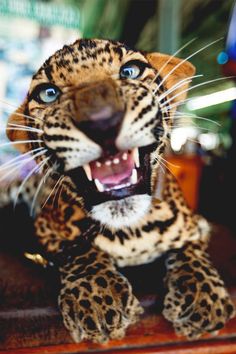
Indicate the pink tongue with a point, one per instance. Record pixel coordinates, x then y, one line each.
115 172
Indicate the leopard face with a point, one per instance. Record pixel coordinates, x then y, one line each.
100 108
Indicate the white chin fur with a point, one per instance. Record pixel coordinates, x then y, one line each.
121 213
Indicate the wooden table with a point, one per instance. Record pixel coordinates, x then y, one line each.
31 323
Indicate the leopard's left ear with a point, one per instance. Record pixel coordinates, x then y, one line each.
165 63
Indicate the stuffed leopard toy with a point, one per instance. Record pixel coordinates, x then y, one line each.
96 120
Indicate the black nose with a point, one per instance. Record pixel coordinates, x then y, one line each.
103 131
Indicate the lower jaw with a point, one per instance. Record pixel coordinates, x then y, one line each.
96 198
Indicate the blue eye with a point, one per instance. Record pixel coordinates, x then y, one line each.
45 93
49 94
130 71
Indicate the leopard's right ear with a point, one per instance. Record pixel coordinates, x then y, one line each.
173 70
15 134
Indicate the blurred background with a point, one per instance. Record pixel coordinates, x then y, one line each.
203 142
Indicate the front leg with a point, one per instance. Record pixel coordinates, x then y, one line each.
96 301
197 301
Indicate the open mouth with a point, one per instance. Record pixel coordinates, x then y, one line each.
114 172
117 175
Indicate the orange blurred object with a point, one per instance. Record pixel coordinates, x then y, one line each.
187 169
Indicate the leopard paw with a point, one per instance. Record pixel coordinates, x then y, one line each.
98 307
197 304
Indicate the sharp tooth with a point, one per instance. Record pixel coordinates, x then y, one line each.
108 163
99 185
134 176
135 154
125 156
98 164
116 161
87 170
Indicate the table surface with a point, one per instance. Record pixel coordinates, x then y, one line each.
31 323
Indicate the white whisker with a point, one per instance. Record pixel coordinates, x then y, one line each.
60 186
198 85
20 142
25 127
9 104
20 159
32 171
21 164
184 116
168 162
43 180
17 113
25 130
53 189
190 126
178 85
162 164
172 56
56 193
179 103
184 60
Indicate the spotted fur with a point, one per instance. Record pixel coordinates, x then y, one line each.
87 237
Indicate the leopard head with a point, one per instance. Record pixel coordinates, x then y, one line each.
104 113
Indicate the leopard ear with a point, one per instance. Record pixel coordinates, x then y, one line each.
165 63
17 117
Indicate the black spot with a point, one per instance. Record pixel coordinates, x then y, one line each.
109 316
124 298
122 235
199 276
218 326
183 279
101 282
192 287
97 299
90 323
86 286
203 303
85 303
214 297
218 312
48 72
119 51
118 287
208 307
109 274
182 289
68 213
186 268
195 317
229 309
75 292
81 315
71 313
162 226
205 323
107 233
188 300
108 300
86 43
206 288
206 270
